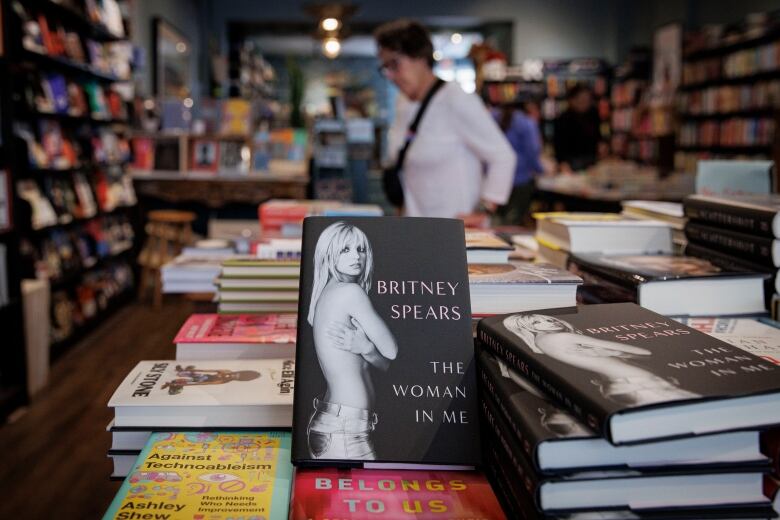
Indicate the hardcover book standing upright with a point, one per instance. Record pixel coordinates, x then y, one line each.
385 359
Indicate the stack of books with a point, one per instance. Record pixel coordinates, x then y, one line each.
252 285
214 395
613 409
562 234
192 273
236 336
519 286
670 212
668 284
285 217
738 233
485 247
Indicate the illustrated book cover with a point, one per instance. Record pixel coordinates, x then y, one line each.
214 475
221 393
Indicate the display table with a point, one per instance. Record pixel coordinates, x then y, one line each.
215 191
580 193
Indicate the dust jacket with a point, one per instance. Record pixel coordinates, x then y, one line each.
385 370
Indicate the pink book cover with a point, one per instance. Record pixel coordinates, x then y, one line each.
238 328
346 494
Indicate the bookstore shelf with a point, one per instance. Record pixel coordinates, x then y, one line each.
77 19
768 36
748 149
75 246
68 118
60 347
756 112
735 80
67 65
71 278
78 220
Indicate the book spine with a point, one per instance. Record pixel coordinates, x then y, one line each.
513 420
554 386
756 248
508 449
725 260
749 220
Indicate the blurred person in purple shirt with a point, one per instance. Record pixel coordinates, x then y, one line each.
522 132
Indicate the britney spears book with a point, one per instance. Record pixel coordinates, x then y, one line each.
385 373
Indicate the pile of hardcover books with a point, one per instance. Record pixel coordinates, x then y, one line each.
739 233
252 285
498 284
562 234
615 409
669 212
206 395
191 274
221 341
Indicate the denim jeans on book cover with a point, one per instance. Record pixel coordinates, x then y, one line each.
341 432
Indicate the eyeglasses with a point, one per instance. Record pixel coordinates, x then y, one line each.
389 66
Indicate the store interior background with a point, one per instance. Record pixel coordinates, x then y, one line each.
61 429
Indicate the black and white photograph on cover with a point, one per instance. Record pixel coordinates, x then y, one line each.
349 339
384 345
552 418
615 376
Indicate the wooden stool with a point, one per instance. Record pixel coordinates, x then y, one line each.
167 231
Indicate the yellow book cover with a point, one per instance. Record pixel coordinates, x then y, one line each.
208 476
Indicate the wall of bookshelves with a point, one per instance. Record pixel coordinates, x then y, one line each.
68 151
13 391
560 76
729 99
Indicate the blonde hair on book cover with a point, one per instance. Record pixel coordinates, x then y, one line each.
329 246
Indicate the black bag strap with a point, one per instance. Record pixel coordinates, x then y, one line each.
410 134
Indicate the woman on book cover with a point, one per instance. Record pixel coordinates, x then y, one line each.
617 379
349 338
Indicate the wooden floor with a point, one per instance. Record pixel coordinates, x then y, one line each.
53 462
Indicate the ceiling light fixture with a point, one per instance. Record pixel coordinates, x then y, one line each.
456 38
331 47
330 24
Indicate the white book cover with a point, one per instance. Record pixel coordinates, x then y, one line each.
218 383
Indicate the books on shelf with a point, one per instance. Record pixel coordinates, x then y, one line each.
498 288
384 339
254 393
668 284
485 247
203 474
555 441
215 336
630 373
323 493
